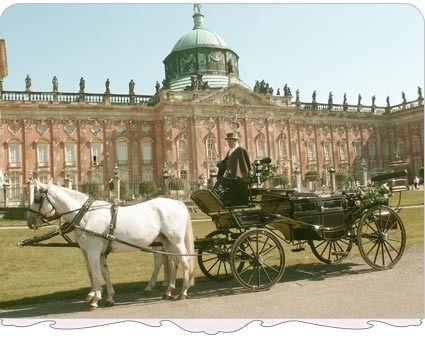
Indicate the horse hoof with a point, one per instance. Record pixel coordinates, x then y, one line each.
109 304
89 298
180 297
93 308
167 297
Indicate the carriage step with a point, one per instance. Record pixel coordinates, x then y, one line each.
298 249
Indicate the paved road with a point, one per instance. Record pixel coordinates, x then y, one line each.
347 290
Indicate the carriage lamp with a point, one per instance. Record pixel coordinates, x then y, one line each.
165 174
116 169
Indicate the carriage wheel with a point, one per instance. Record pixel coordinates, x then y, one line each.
381 237
263 257
331 251
214 259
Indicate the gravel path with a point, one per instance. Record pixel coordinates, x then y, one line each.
347 290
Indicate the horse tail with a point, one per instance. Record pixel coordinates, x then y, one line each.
190 246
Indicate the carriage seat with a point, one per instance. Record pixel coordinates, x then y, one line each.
209 202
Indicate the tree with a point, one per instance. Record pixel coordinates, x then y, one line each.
92 188
148 187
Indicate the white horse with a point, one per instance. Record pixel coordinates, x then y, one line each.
159 219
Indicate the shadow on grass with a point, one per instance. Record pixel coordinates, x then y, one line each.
68 302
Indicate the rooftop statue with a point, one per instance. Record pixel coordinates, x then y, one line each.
55 84
229 66
314 96
107 83
278 91
157 87
403 97
131 85
345 103
297 95
330 99
28 84
359 101
373 100
82 85
420 97
285 90
388 101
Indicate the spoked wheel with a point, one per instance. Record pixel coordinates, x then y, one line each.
381 237
214 258
331 251
263 257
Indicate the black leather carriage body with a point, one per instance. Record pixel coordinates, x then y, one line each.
326 215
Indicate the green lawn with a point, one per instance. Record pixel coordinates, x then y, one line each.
408 198
31 274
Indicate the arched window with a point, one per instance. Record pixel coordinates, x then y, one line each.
122 152
210 148
69 149
14 147
42 154
147 152
261 147
182 149
283 154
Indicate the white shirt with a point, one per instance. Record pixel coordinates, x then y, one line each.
232 150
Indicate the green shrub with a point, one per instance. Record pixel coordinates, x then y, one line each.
176 184
92 188
148 187
15 214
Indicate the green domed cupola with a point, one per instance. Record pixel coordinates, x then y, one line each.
200 52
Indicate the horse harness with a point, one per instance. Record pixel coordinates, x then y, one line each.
68 227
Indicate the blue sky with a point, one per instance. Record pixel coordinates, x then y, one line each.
354 48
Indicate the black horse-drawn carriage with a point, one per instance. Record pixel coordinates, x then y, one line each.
247 244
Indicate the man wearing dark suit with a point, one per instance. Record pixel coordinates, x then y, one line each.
233 172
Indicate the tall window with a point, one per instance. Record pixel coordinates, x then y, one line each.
147 152
327 150
372 150
400 148
70 154
96 152
342 148
310 151
15 188
182 149
42 154
386 150
416 141
261 148
14 154
357 149
282 149
211 153
122 152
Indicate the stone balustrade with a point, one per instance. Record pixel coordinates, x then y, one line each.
50 97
